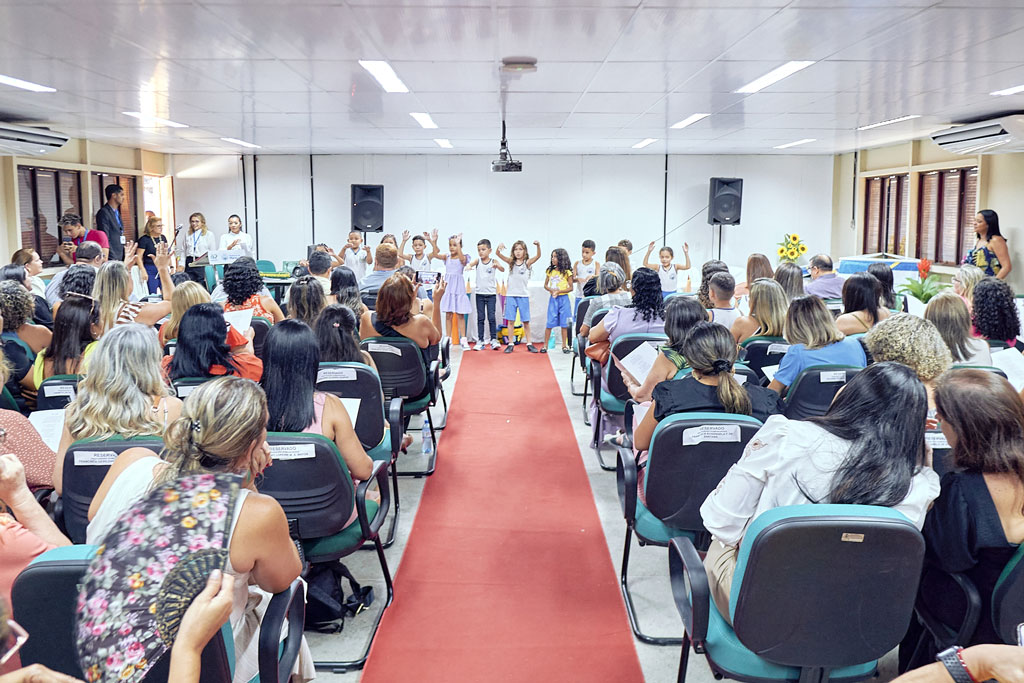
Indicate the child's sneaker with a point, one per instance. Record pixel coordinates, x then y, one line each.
465 344
480 346
495 344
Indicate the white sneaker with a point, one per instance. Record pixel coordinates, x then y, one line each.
495 344
465 344
480 346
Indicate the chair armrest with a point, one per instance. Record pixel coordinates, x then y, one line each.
627 421
289 604
396 424
625 480
370 527
43 497
690 589
594 369
446 351
940 632
434 377
581 345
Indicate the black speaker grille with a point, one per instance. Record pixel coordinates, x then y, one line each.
725 199
368 207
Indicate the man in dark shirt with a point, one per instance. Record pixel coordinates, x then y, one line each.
108 219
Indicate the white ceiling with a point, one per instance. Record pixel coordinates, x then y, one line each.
284 75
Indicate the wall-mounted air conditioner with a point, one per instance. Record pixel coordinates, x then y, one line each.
995 136
22 141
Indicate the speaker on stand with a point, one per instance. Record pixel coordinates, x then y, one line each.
368 208
725 197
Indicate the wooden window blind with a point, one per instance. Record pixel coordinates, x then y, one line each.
44 195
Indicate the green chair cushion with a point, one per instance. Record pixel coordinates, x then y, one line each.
348 539
652 529
382 451
610 404
417 406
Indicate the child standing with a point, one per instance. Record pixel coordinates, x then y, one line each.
486 294
517 296
389 238
454 301
419 259
667 271
586 268
349 255
559 283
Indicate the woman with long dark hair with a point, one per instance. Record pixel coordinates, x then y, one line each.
203 349
883 274
862 309
863 451
336 333
345 290
74 338
990 252
306 299
994 313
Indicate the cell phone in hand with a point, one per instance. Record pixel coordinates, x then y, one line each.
65 239
1020 634
427 277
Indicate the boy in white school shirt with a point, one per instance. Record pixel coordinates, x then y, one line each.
721 289
486 291
351 258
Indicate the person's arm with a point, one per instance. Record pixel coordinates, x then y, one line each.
434 335
120 464
58 463
1003 663
547 279
598 334
434 251
536 256
263 529
15 492
37 673
497 264
663 369
359 464
140 258
998 245
271 306
506 259
472 264
366 329
647 256
645 430
65 251
369 255
201 622
789 368
686 253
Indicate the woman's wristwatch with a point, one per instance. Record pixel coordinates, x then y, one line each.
955 665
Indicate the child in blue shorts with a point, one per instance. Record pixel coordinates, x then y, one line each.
559 283
517 293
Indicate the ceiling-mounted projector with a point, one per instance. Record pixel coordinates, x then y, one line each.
505 163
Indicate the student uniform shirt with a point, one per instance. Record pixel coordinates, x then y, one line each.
668 277
518 279
356 261
585 271
419 264
486 277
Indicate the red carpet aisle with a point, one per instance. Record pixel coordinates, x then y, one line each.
506 576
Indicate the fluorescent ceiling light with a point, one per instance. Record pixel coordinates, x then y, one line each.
1008 91
643 143
384 74
886 123
25 85
154 120
692 118
774 76
423 119
243 143
443 142
794 144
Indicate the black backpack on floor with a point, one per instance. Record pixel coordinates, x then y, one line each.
326 604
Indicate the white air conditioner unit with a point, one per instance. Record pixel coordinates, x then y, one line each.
995 136
22 141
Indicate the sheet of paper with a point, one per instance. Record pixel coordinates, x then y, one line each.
639 411
1011 362
50 425
639 361
293 451
352 408
937 440
240 320
723 433
769 371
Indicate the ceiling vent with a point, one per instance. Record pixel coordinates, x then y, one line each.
23 141
995 136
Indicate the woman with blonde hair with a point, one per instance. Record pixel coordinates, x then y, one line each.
914 342
152 236
964 282
949 314
123 394
768 306
195 244
186 295
113 287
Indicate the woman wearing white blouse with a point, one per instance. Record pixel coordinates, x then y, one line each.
195 243
235 239
862 451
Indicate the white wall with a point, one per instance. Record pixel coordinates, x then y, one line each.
559 200
211 185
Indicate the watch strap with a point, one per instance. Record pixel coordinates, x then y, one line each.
954 665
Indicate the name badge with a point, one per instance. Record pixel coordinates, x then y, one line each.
123 241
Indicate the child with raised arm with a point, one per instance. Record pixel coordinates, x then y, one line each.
558 282
667 271
487 268
389 238
349 255
585 268
418 259
517 293
455 302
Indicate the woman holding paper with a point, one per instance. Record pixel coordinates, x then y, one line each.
236 240
208 347
681 314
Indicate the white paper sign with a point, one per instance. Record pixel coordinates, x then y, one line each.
639 361
721 433
240 320
50 425
51 390
218 258
95 458
383 348
1011 362
937 440
293 451
778 348
769 371
336 374
832 376
185 389
741 379
352 408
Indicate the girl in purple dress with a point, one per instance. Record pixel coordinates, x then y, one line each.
454 301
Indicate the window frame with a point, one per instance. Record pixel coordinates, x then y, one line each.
33 174
884 228
939 213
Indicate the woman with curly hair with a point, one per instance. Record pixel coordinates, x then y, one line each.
306 299
16 306
645 315
41 313
706 271
243 285
78 279
914 342
995 311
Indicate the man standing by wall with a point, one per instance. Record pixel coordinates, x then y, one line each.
108 219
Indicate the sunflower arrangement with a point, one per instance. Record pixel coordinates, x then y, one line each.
791 248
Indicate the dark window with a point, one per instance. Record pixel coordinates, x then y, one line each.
44 195
128 212
885 215
948 201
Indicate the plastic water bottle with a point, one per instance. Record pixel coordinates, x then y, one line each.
428 445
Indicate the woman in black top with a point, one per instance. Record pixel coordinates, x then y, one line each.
710 387
146 249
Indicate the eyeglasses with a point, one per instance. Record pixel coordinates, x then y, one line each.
956 280
20 635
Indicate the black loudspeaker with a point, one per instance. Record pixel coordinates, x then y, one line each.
724 199
368 208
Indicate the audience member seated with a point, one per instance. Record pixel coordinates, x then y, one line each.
646 313
124 394
914 342
768 306
863 451
90 258
977 523
384 266
319 265
710 387
243 285
791 277
306 299
883 273
113 287
758 266
423 303
681 314
289 381
29 259
16 307
611 291
394 316
345 290
862 304
74 339
995 316
222 428
824 283
706 271
218 295
590 286
71 229
951 318
964 282
22 439
721 290
205 348
41 314
186 295
1001 663
336 334
814 340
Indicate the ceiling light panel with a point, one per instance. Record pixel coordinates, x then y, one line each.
25 85
152 121
384 74
644 143
241 143
689 121
423 119
794 144
774 76
889 122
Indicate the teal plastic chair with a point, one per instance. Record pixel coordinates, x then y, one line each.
220 272
582 304
744 374
814 388
988 368
7 401
585 361
684 464
760 352
265 266
211 278
820 593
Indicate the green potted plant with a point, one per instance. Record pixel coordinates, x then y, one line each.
926 286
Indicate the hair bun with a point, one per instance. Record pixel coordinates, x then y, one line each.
721 365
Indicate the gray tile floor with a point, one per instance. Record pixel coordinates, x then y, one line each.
648 565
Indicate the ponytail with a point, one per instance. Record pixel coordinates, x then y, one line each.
731 394
711 350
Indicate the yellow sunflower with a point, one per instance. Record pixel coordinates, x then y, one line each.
803 248
782 251
791 253
794 237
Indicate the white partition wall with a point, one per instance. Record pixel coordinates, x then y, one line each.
211 185
285 219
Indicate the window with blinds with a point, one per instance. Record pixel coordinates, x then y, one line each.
885 215
947 203
44 195
128 207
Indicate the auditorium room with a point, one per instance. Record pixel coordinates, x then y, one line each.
506 341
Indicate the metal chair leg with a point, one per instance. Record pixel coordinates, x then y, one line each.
443 422
628 599
572 377
586 413
432 463
684 658
598 425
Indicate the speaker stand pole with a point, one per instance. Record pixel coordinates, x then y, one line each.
719 225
